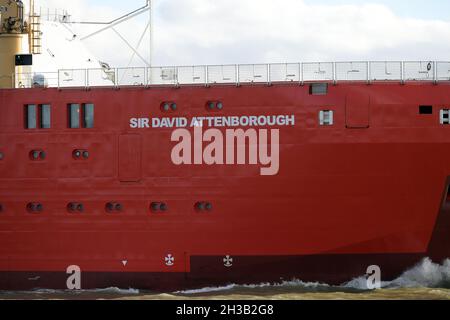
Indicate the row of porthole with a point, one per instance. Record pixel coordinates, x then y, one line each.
168 106
36 155
110 207
80 154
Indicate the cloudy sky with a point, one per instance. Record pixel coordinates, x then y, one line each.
188 32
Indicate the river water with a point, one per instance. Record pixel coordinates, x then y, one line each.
426 280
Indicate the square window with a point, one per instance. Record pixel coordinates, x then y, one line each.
326 118
445 116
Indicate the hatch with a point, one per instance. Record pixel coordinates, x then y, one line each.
130 165
357 110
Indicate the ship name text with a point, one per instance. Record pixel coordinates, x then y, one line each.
229 121
211 144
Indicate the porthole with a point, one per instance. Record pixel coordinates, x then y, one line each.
203 206
199 206
109 207
34 207
1 156
158 206
113 207
169 106
214 106
1 208
36 155
80 154
154 206
76 154
75 207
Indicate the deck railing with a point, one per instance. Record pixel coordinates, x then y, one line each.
433 71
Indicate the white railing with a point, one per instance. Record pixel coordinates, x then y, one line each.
242 74
33 79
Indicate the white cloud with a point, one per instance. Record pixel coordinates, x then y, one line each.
250 31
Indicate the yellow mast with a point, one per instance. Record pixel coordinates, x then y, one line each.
12 29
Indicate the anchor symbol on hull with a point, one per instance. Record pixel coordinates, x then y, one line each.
170 260
228 261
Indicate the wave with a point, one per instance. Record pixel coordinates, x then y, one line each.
54 292
292 284
426 274
113 290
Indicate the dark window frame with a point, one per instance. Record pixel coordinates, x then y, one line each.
42 116
318 89
426 109
88 109
70 118
38 114
86 115
30 124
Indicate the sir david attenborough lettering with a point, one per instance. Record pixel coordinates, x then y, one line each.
213 142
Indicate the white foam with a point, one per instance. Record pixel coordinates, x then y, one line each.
286 284
426 274
208 289
115 290
111 290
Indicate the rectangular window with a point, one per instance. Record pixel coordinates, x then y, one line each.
74 116
445 116
326 118
88 111
425 109
30 112
45 116
318 89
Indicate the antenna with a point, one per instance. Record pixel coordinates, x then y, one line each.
113 23
150 32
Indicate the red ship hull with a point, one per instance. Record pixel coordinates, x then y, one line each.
372 189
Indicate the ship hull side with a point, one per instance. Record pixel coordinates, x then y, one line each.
345 198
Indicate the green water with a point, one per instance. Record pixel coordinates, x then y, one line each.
426 280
